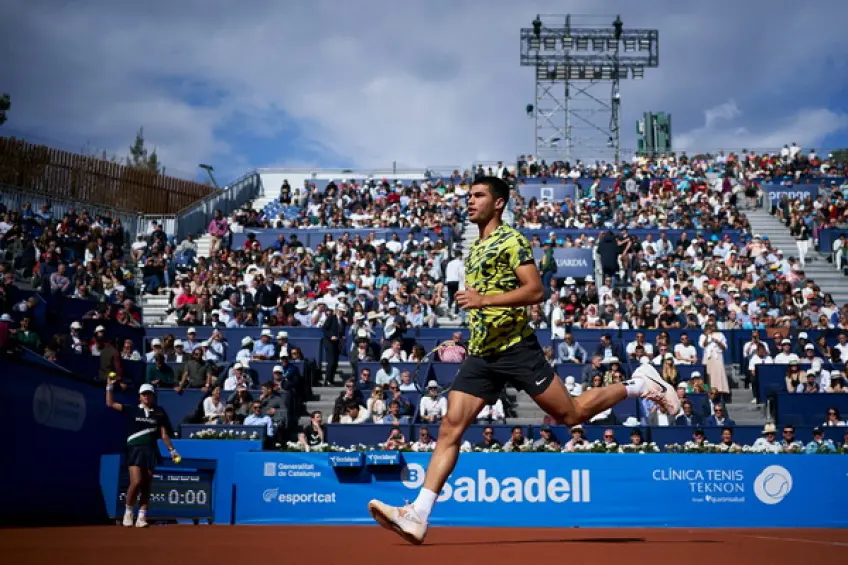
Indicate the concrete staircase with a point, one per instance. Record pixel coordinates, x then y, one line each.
817 268
469 234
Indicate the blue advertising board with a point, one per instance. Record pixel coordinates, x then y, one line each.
574 262
776 191
552 490
547 192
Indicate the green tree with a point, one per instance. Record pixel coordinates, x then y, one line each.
5 105
840 155
139 157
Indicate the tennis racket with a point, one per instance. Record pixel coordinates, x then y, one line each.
420 384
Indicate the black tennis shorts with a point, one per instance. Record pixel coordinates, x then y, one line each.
523 365
144 456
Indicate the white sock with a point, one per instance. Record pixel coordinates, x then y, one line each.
423 505
142 513
129 510
635 387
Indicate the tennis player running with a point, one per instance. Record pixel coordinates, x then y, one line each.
146 423
501 280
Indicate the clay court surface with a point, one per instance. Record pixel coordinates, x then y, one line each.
284 545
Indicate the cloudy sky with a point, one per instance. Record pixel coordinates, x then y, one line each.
263 83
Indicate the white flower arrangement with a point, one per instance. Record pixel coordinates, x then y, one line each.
594 447
423 448
589 447
649 447
212 433
549 448
493 449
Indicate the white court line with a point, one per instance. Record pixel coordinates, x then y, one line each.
796 540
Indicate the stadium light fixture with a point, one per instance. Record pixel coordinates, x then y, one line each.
209 169
577 81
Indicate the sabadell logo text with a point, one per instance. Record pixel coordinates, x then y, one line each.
483 488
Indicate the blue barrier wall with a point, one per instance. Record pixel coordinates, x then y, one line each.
51 474
808 409
547 490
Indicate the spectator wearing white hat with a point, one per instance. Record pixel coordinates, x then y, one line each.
395 326
286 374
76 342
334 329
301 314
282 348
432 407
178 355
238 377
264 349
785 356
191 342
215 348
768 442
245 353
155 349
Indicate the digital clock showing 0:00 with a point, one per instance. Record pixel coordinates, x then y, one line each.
174 494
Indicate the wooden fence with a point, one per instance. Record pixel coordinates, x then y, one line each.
77 177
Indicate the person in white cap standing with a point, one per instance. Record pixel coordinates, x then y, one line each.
146 424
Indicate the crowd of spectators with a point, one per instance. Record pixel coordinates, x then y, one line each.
722 278
788 164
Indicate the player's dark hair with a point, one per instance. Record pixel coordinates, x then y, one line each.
498 187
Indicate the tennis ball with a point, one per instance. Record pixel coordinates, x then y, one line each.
177 459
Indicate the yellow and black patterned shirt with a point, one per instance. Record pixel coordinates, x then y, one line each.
490 269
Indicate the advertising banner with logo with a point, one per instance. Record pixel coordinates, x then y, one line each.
550 490
571 261
801 191
547 192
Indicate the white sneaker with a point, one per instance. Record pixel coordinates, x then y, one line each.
141 522
657 389
128 519
402 520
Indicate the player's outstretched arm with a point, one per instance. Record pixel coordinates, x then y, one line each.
529 292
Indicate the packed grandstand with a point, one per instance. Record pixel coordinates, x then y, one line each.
324 298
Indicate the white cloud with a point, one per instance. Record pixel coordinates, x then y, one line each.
422 83
724 129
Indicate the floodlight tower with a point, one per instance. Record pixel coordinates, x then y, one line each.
579 63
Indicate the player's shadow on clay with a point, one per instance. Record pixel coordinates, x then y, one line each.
567 540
